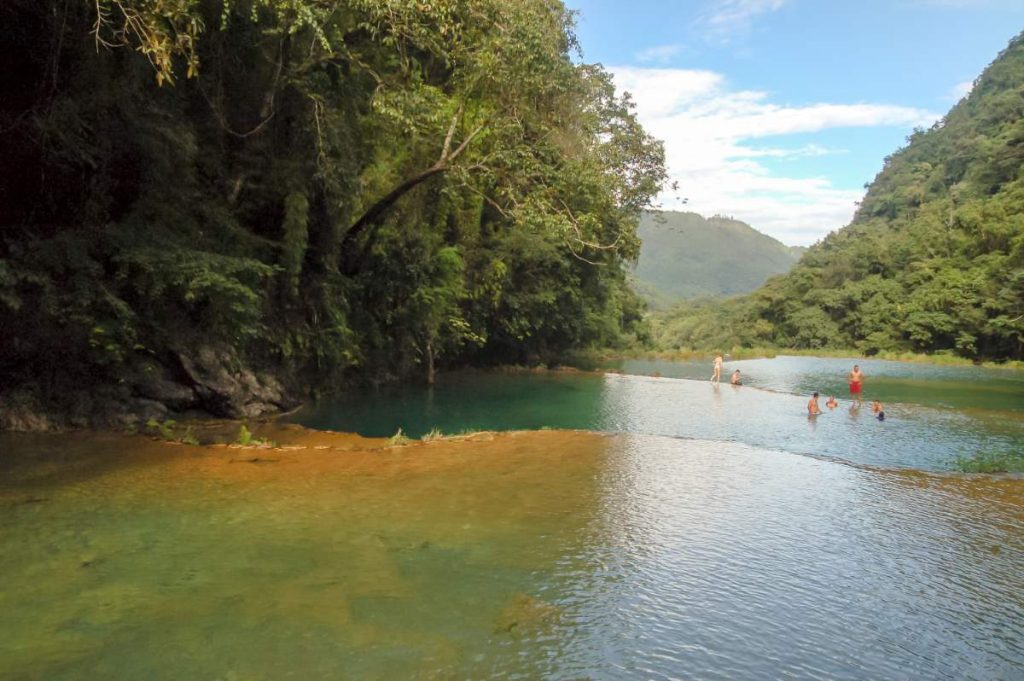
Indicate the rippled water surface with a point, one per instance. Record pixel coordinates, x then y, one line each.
519 556
958 387
924 428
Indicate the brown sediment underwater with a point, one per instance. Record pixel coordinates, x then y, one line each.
530 554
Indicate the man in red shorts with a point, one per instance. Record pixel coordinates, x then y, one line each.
856 378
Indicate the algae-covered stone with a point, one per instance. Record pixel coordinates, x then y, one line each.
527 614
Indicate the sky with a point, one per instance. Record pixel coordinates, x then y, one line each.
778 112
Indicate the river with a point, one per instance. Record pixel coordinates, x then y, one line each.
522 555
934 414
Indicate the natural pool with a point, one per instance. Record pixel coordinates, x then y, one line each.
934 385
719 534
934 414
521 556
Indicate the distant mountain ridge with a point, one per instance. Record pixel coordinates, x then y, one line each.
685 255
933 261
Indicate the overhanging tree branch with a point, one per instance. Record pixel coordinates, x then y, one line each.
376 211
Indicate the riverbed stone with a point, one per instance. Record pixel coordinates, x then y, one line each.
525 614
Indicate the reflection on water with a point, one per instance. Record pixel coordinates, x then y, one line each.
821 570
912 435
521 556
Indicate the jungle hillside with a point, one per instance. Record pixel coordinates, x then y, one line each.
224 205
685 255
933 261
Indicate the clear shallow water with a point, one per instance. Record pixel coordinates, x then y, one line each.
957 387
523 556
914 435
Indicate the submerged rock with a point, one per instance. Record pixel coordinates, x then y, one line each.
527 614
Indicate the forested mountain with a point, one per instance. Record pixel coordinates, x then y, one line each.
214 203
934 257
684 255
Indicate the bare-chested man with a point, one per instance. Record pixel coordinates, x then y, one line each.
856 379
812 406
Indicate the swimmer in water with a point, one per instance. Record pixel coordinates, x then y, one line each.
812 406
736 378
832 404
878 410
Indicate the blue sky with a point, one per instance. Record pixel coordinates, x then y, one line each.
778 112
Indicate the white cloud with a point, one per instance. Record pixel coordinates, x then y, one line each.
725 19
808 150
663 91
710 135
659 53
961 90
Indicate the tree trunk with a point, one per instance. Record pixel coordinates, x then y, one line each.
430 363
352 257
374 212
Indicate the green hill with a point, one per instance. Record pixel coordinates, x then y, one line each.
932 262
684 255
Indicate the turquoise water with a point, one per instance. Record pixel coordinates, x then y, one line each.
921 430
718 535
518 556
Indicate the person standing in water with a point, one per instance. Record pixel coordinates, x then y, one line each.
832 404
812 406
716 375
878 410
736 378
856 379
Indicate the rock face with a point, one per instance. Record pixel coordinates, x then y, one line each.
101 407
20 413
205 380
222 387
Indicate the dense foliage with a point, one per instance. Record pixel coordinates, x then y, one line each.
320 186
933 260
684 255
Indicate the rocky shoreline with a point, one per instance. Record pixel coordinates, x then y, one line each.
208 382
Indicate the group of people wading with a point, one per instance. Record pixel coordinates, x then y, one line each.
855 379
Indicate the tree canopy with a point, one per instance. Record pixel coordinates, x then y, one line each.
323 186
